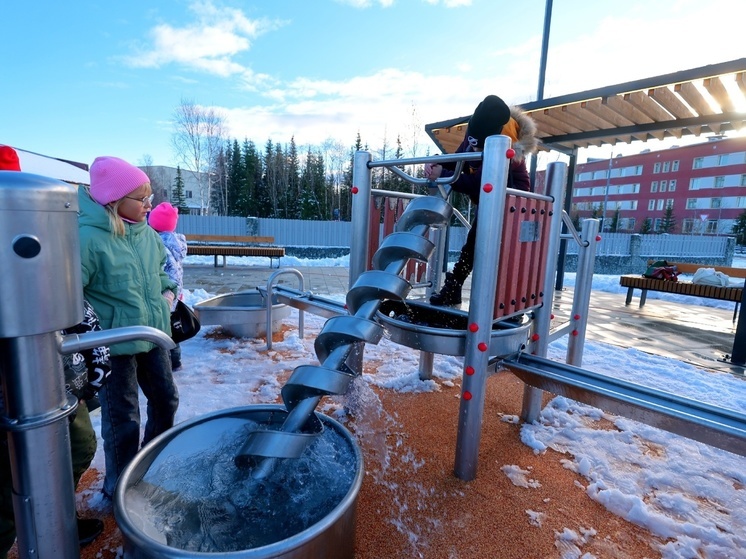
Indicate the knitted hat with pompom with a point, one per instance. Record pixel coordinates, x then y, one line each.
164 217
113 178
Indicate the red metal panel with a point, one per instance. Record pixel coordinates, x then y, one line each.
520 276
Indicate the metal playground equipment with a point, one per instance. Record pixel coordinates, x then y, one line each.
518 237
39 241
507 326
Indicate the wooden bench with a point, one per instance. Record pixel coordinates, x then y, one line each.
730 293
233 245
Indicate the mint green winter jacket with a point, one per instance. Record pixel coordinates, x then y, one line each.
123 276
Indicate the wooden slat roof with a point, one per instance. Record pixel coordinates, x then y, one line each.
710 99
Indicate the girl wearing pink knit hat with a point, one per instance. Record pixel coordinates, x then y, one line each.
164 219
124 279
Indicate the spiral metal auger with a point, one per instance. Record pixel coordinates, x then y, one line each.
342 335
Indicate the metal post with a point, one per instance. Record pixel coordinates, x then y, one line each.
738 354
361 190
484 282
556 179
582 294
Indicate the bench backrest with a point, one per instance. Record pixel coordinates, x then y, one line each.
228 239
689 268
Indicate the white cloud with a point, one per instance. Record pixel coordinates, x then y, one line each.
208 45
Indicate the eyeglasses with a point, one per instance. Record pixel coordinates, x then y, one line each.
145 200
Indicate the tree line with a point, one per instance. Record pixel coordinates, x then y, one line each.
238 178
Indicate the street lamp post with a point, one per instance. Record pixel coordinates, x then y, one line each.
606 192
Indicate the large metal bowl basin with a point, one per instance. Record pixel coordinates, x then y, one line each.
331 537
242 314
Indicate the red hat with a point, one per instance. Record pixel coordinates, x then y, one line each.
9 159
163 218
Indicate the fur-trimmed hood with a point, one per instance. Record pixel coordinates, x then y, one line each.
522 130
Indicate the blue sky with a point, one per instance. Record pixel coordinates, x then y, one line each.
88 78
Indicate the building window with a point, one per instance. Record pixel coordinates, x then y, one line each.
672 185
698 161
669 203
715 203
660 204
719 182
687 226
657 168
188 193
654 186
722 160
663 185
666 166
651 205
712 226
675 165
743 180
691 203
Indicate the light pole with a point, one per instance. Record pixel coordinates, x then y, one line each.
606 193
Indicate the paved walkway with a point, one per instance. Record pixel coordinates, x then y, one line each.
702 336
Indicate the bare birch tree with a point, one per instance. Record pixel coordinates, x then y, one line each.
196 140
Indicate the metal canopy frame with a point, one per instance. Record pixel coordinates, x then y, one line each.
690 102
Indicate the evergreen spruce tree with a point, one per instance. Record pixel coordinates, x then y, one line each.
668 225
739 229
646 226
179 200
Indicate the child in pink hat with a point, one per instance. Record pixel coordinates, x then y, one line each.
122 262
164 219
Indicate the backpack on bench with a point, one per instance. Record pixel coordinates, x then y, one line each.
662 270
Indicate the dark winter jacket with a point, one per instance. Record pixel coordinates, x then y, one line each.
87 371
123 275
522 131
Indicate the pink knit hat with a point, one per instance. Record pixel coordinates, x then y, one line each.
9 159
113 178
163 217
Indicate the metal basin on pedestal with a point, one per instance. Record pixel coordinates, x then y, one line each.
242 314
183 496
443 330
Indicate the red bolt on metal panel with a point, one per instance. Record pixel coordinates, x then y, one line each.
551 316
487 187
598 238
469 370
481 346
354 189
473 327
467 395
510 153
575 332
535 337
576 317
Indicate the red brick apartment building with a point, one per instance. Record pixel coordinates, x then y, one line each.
705 184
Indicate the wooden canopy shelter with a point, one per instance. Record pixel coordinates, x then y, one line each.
710 99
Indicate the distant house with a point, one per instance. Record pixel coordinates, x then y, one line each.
163 179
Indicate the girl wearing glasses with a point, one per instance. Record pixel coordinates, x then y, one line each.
124 279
